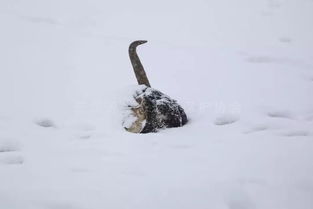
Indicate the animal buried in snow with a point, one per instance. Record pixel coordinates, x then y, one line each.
151 110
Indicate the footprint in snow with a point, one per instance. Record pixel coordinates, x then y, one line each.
46 123
258 128
274 4
237 198
8 149
8 145
238 204
85 136
285 40
280 114
226 119
296 133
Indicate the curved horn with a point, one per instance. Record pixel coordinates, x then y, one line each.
138 68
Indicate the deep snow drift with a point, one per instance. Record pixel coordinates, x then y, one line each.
242 70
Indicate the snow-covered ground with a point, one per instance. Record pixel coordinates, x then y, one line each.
243 71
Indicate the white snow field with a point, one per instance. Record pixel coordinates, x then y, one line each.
243 71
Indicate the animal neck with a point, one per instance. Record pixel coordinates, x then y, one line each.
140 73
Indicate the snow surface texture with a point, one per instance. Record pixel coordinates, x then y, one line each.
242 70
152 111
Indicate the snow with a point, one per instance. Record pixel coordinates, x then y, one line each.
242 70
